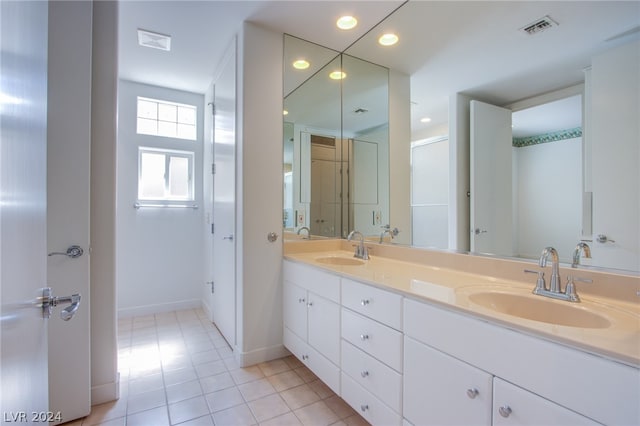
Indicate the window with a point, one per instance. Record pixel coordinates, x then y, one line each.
165 175
167 119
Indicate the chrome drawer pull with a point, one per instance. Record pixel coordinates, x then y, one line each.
505 411
472 393
364 337
364 374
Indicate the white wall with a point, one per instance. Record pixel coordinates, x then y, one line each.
104 92
159 250
259 200
549 197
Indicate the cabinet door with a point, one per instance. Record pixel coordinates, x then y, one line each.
441 390
295 309
324 327
515 406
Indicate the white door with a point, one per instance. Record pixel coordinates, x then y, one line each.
23 209
224 201
491 179
68 180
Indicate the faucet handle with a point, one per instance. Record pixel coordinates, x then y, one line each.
570 289
540 283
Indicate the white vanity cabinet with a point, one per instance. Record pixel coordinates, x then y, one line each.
372 352
312 320
542 382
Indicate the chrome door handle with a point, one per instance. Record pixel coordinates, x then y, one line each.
48 302
230 237
73 252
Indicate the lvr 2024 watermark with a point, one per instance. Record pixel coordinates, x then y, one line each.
31 416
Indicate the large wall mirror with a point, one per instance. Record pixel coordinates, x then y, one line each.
336 142
562 181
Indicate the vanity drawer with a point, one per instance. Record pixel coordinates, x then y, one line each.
378 340
321 283
365 403
381 305
374 376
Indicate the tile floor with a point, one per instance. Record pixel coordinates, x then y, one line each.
176 369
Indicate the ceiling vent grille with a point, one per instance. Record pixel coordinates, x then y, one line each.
154 40
539 25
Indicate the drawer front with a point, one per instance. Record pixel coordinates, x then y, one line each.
369 407
526 408
381 305
319 365
374 376
378 340
322 283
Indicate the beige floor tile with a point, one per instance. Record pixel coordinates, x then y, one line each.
316 414
182 391
145 384
200 421
122 421
268 407
338 406
293 362
156 417
205 356
107 411
217 382
321 389
283 381
273 367
188 410
182 375
288 419
299 396
146 401
210 368
256 389
226 398
247 374
235 416
306 374
356 420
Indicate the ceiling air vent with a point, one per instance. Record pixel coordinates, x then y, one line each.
539 25
154 40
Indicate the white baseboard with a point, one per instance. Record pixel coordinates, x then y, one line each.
105 393
159 308
207 309
257 356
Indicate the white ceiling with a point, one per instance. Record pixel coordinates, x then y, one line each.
446 47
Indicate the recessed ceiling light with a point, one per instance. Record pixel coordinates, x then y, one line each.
388 39
301 64
425 120
154 40
338 75
346 22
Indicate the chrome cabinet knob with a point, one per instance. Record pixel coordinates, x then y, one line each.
504 411
364 337
472 393
365 302
310 304
305 357
364 374
301 300
364 407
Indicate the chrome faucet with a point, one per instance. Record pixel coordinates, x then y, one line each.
554 290
554 285
304 228
361 250
580 247
387 230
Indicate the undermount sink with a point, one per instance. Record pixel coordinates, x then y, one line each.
343 261
538 308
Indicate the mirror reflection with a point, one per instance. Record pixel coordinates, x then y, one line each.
336 148
583 187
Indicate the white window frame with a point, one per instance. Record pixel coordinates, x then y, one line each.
157 119
167 200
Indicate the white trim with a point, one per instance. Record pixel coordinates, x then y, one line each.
256 356
159 308
106 392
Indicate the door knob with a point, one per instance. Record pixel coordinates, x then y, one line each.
48 301
73 252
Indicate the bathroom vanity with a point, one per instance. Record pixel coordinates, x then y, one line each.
416 337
